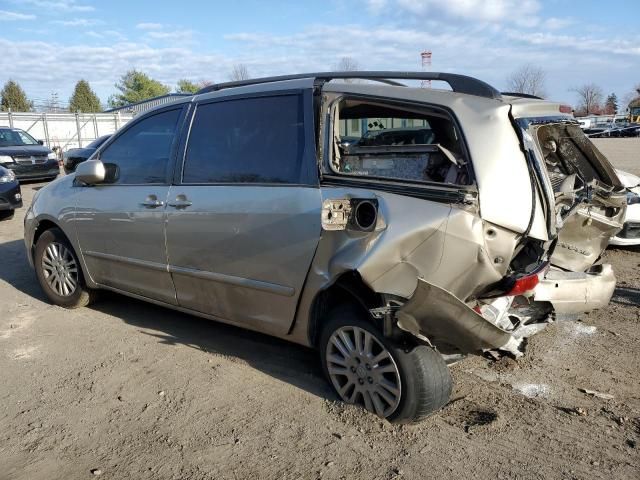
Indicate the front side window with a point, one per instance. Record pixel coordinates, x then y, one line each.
397 143
142 153
250 140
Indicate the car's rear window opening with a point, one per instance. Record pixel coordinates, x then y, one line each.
385 141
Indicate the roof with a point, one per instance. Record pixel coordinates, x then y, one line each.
149 103
458 83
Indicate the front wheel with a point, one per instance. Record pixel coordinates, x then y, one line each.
402 383
58 271
7 214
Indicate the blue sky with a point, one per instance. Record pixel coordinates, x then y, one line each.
48 45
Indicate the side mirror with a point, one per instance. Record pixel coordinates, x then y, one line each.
40 142
90 172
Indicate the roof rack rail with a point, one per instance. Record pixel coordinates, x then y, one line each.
521 95
458 83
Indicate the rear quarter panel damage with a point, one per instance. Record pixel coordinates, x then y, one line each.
415 241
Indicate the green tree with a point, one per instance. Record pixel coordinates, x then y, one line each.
136 86
12 97
187 86
611 104
84 100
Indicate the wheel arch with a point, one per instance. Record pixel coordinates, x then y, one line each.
348 288
46 223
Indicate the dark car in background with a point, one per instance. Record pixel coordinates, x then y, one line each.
27 157
10 195
74 156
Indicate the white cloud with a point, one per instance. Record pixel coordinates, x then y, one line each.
149 26
77 22
376 6
174 35
6 16
101 65
520 12
594 46
554 23
58 6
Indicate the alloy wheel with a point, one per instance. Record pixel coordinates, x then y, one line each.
363 371
60 269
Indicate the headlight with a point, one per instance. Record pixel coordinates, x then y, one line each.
52 156
6 159
8 177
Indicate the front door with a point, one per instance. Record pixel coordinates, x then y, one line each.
243 222
120 223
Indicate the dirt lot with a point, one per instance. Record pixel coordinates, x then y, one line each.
140 392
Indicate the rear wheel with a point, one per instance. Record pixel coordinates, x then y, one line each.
402 383
58 271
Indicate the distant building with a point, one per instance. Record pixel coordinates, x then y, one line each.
148 104
634 109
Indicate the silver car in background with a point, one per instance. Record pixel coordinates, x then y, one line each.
395 229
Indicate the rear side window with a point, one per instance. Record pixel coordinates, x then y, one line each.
250 140
142 153
398 143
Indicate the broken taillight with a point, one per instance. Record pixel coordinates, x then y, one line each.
524 285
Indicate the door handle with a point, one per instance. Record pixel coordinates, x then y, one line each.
180 202
152 202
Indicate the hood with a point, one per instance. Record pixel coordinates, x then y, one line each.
628 180
79 152
23 150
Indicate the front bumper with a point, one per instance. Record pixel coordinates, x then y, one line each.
577 292
10 196
34 171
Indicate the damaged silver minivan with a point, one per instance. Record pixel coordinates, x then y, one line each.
396 229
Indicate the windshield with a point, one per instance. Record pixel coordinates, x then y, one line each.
10 137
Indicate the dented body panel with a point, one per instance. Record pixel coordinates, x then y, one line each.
577 292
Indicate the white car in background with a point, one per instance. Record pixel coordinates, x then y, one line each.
630 233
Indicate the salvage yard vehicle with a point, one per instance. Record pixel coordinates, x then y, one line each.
72 157
27 157
10 194
630 233
393 256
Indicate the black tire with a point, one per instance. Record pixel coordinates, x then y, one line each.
81 296
425 380
7 214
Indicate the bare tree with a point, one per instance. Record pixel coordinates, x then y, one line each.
239 72
632 97
590 97
347 64
528 79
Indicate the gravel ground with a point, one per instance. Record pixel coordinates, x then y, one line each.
623 152
125 389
